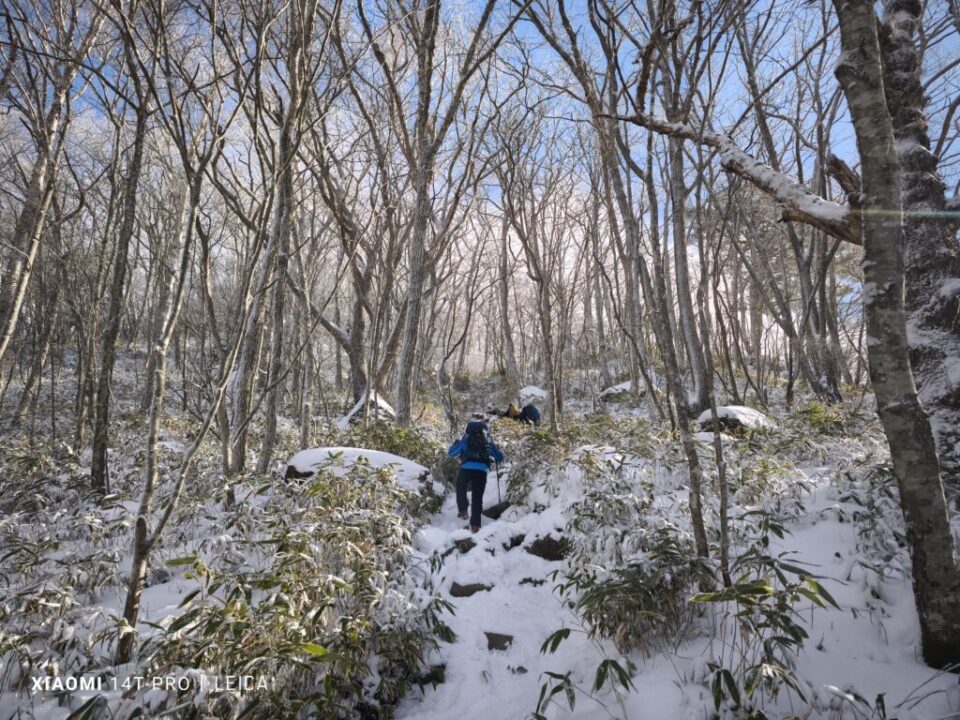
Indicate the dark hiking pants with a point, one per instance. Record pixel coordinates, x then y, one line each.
474 481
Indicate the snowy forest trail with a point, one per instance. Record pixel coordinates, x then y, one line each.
515 601
506 606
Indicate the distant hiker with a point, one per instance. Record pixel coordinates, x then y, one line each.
476 451
528 415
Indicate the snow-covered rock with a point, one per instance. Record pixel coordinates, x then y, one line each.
620 391
616 392
378 406
736 417
529 393
307 463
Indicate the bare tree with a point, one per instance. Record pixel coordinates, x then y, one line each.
936 574
51 53
433 119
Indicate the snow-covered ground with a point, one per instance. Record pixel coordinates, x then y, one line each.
867 648
625 387
839 527
532 393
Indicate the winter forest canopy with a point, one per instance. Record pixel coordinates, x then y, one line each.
263 260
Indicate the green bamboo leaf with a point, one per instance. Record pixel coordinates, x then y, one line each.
731 686
315 650
181 561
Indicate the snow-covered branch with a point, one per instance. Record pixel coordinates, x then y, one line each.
797 201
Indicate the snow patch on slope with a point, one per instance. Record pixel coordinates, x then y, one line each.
339 459
746 416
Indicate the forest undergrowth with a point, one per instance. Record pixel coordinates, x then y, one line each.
316 587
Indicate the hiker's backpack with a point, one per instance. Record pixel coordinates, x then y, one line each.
530 414
478 449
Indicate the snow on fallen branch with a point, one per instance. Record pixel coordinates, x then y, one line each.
799 203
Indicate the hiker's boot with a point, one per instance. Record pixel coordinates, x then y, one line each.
474 529
462 516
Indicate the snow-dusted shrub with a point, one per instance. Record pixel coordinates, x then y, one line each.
632 569
319 600
535 455
878 517
56 555
834 434
758 475
642 604
305 584
538 455
758 628
408 442
823 419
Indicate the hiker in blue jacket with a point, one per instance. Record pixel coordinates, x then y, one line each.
476 450
527 415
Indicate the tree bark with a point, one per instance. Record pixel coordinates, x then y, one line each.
168 320
688 329
98 465
31 386
506 328
932 253
936 576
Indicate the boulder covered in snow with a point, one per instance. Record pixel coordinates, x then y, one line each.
549 548
376 406
532 394
735 418
307 463
617 393
621 391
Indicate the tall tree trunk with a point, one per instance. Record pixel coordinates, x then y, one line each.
658 294
85 388
27 234
242 384
424 153
688 328
823 384
932 254
168 316
338 350
506 327
416 257
936 575
549 353
284 210
28 229
99 477
306 391
30 387
356 356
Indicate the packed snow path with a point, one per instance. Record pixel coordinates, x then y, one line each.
491 676
519 603
505 608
